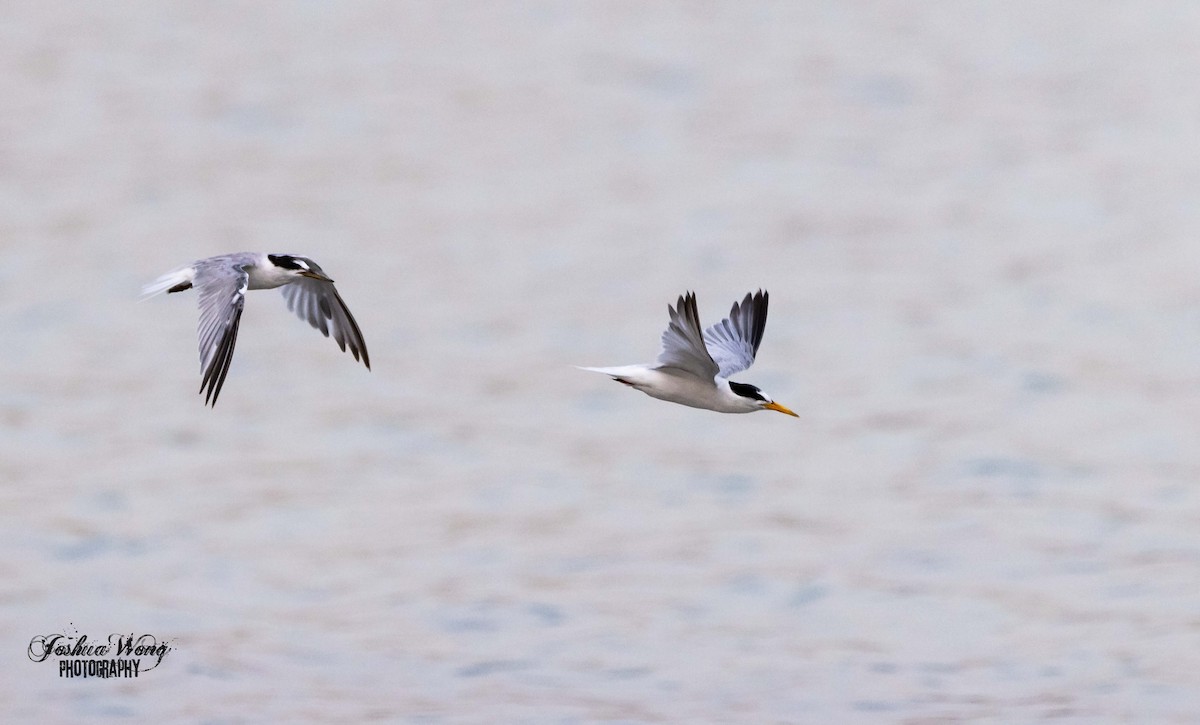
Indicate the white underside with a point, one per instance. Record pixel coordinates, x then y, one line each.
677 386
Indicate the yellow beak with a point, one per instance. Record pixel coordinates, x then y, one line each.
780 408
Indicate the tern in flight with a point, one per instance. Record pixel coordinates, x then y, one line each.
221 283
694 367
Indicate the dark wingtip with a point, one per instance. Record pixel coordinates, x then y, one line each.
687 301
760 323
360 356
214 377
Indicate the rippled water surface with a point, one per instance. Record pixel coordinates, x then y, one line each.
978 225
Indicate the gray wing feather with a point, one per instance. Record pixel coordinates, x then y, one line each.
221 291
321 306
733 342
683 343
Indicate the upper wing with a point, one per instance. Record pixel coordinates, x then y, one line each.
320 304
221 291
733 342
683 344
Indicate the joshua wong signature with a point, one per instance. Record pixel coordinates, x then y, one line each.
119 656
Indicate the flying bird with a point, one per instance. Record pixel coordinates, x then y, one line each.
221 283
694 367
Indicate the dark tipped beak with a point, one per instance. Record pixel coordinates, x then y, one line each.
315 275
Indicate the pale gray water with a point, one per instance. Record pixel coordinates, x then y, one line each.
978 223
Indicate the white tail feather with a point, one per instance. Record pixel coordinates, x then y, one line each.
167 281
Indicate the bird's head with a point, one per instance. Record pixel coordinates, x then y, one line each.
298 266
755 396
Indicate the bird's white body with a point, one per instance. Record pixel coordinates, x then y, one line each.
694 366
677 386
260 274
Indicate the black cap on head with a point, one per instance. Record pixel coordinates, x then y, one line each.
747 391
286 261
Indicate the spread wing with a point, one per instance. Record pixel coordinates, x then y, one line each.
683 344
221 289
319 303
733 342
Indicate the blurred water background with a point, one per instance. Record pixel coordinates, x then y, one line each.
978 225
